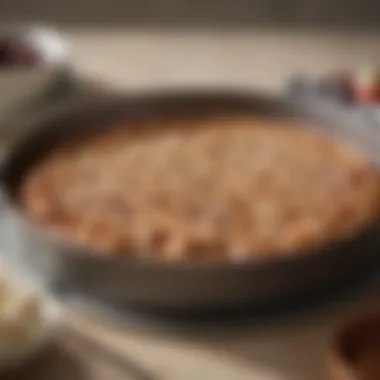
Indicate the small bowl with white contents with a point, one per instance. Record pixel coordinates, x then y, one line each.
29 319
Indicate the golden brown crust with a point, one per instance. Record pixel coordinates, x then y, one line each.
236 187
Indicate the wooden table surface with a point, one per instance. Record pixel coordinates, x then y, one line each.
294 348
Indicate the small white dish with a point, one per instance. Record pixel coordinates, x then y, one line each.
18 356
19 352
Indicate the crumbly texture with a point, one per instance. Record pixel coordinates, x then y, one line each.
227 187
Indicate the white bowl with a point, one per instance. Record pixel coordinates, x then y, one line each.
19 353
19 86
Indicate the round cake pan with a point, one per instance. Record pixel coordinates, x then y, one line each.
181 285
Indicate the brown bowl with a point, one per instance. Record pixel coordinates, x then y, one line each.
356 350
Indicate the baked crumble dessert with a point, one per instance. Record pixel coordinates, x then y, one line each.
230 187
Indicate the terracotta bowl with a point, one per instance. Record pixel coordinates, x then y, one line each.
355 351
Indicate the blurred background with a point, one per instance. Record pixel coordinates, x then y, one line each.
139 43
352 14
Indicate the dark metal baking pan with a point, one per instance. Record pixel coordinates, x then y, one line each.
177 286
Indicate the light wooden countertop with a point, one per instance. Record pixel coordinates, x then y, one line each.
141 59
291 348
294 348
